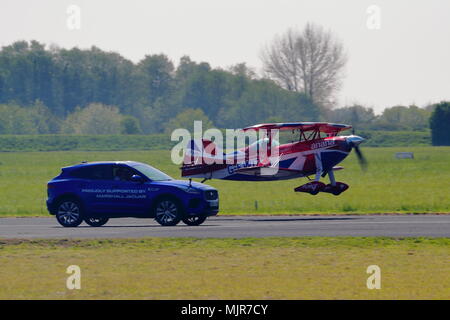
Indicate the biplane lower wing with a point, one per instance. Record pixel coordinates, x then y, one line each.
271 173
199 169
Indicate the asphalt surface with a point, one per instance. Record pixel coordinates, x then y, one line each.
239 227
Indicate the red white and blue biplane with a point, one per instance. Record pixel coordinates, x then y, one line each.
315 154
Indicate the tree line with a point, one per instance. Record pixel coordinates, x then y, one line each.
65 87
46 89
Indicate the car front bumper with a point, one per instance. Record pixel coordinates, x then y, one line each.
50 207
201 207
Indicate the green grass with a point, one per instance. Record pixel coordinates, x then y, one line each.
390 185
269 268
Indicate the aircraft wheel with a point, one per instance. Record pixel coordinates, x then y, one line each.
336 191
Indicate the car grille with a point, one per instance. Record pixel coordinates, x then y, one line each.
211 195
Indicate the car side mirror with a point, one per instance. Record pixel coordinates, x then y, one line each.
136 178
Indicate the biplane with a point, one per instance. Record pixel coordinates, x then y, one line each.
317 151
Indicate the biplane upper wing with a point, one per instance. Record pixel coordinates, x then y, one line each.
328 128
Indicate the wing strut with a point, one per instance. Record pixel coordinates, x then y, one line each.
319 167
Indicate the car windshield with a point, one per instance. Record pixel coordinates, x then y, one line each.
151 173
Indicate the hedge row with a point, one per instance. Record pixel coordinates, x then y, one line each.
10 143
84 142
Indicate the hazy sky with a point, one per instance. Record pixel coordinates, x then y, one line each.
405 61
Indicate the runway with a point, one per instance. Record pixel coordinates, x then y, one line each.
239 227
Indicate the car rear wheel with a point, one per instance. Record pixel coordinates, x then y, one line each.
168 212
69 213
96 222
194 220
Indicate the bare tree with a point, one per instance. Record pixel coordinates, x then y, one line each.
309 61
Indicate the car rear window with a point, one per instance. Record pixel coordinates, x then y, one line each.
98 172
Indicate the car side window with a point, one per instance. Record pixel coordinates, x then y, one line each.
122 173
96 172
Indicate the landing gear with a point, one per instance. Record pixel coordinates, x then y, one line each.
314 187
334 187
337 189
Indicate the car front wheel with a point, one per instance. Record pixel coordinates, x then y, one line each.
69 213
194 220
96 222
167 212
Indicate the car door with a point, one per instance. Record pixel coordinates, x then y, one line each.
130 196
96 191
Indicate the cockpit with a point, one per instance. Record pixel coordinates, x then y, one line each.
262 144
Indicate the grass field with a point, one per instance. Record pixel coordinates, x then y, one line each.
270 268
390 185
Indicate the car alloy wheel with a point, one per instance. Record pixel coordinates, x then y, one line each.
167 212
69 213
96 222
194 220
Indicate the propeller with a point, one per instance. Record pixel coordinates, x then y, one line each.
354 142
361 159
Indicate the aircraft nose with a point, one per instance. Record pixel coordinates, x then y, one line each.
354 140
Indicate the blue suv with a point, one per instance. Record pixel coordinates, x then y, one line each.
97 191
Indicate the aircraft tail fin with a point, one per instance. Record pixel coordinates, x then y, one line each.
197 150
